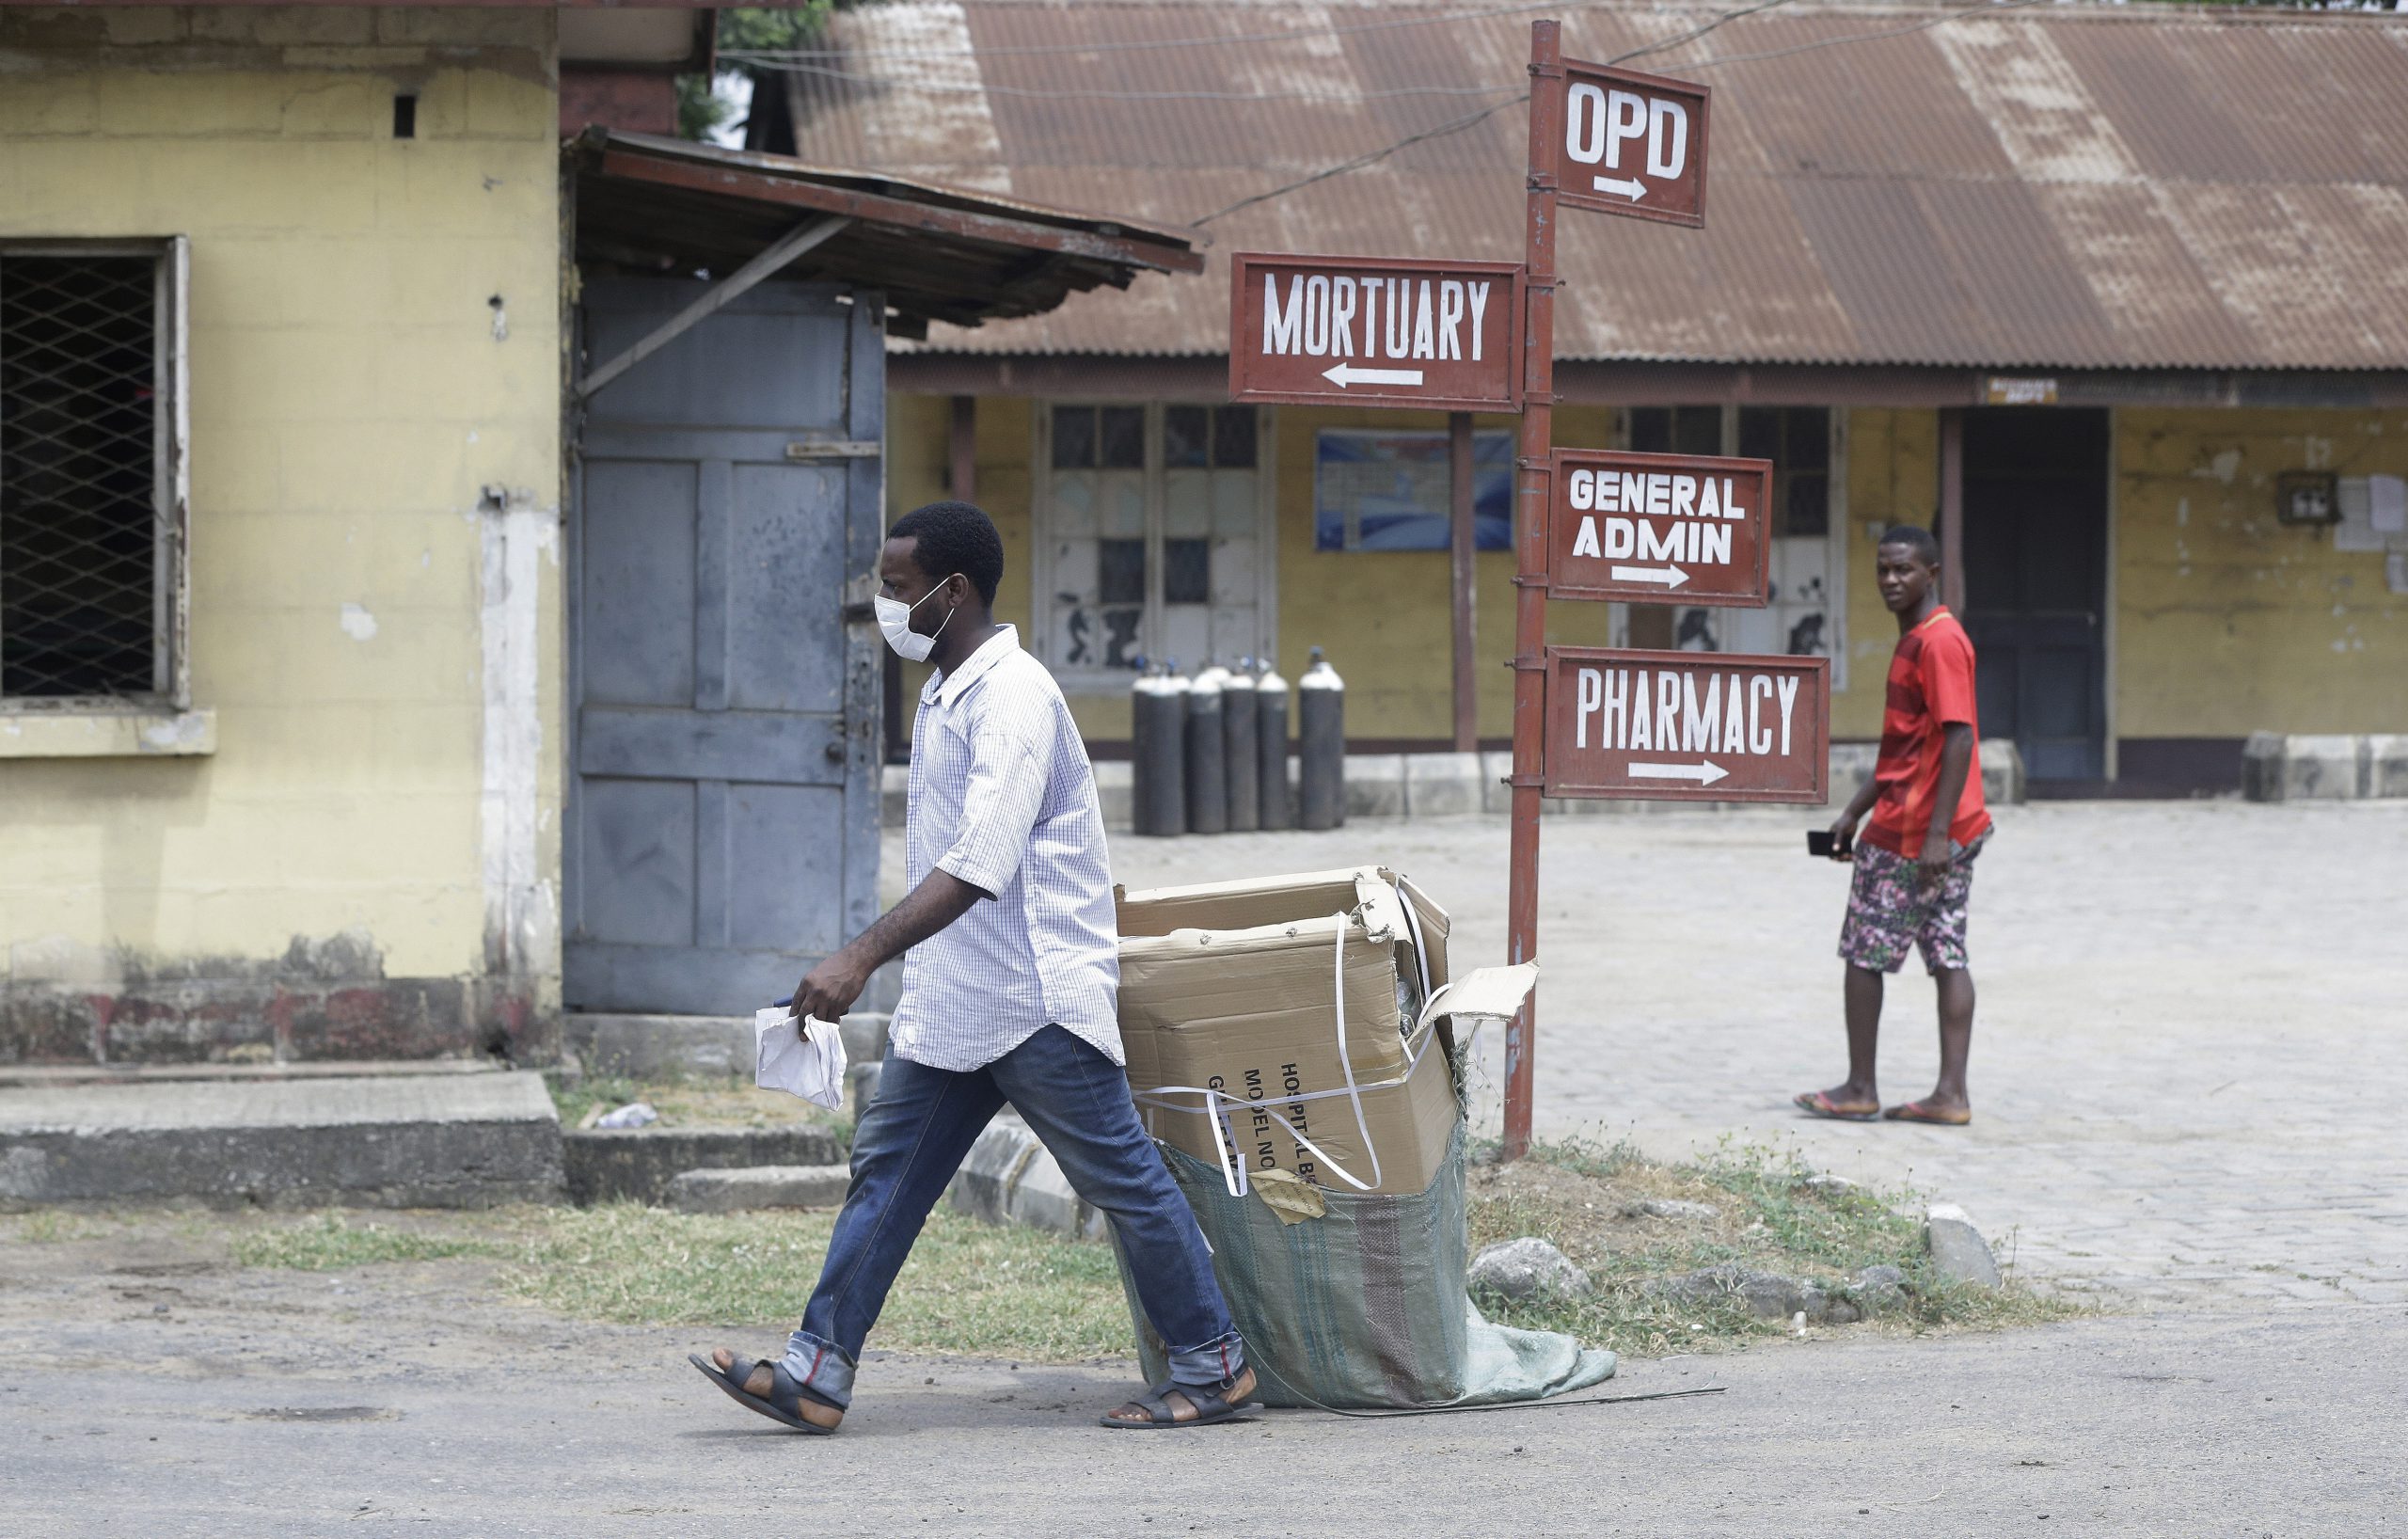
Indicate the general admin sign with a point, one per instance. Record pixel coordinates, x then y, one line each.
1375 331
1687 528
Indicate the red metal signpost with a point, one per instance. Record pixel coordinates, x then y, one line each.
1634 144
1687 726
1375 331
1651 528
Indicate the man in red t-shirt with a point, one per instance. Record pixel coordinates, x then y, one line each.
1914 867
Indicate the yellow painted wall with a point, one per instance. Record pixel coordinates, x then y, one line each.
2228 622
350 395
1893 478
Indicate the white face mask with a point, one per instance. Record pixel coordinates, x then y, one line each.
895 623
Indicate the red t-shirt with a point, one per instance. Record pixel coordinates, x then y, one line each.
1931 686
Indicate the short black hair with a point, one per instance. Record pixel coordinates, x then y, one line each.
1915 538
955 537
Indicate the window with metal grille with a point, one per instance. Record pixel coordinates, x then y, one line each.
91 473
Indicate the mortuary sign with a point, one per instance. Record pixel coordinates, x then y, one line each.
1688 529
1632 144
1375 331
1687 726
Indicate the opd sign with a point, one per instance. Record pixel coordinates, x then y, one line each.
1687 726
1688 529
1375 331
1632 144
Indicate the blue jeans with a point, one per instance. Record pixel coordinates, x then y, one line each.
914 1136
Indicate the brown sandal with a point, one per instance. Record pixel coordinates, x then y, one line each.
1916 1111
1815 1104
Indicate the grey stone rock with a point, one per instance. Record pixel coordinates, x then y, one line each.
1843 1312
1116 793
1041 1199
1526 1268
759 1186
1958 1252
2387 764
1880 1290
1828 1185
2308 767
1767 1295
1665 1207
655 1047
865 1034
2001 771
983 1185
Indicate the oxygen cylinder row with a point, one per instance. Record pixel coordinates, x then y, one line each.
1211 753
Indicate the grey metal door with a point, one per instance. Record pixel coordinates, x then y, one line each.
722 826
2035 583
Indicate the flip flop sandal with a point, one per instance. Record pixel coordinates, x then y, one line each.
1815 1104
785 1398
1209 1407
1916 1111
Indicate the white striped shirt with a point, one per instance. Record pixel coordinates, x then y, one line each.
1003 797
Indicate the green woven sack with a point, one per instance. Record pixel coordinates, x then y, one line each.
1365 1307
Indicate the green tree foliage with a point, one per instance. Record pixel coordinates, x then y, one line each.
700 109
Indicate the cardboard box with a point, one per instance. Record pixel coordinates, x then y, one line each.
1230 988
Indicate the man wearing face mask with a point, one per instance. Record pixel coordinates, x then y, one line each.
1009 975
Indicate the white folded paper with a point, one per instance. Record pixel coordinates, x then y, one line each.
809 1063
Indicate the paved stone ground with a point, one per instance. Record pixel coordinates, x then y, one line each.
2190 1059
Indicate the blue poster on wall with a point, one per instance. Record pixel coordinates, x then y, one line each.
1375 489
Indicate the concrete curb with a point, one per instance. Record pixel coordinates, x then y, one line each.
651 1047
606 1165
751 1187
397 1142
2325 766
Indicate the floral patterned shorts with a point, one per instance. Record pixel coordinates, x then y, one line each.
1895 906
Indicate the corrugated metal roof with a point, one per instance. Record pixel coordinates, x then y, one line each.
937 252
2055 186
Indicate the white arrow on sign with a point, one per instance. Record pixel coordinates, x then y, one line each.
1705 772
1670 576
1633 189
1346 374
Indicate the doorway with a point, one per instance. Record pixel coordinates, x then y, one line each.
2035 582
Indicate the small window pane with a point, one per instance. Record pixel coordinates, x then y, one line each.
1760 432
1697 430
1651 429
1808 438
1187 434
1074 438
1233 438
1122 440
1187 571
1121 572
1809 507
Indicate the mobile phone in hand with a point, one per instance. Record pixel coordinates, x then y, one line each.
1820 845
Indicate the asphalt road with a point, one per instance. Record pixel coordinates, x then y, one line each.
269 1404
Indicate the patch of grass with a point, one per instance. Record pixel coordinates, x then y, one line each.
1585 1200
56 1226
969 1288
980 1290
329 1242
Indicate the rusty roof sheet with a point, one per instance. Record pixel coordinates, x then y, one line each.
2054 186
939 253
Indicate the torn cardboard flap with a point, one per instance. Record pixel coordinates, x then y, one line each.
1487 994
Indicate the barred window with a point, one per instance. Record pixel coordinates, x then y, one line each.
91 473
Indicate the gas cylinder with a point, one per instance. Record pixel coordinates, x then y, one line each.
1238 734
1272 793
1321 702
1208 769
1158 770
